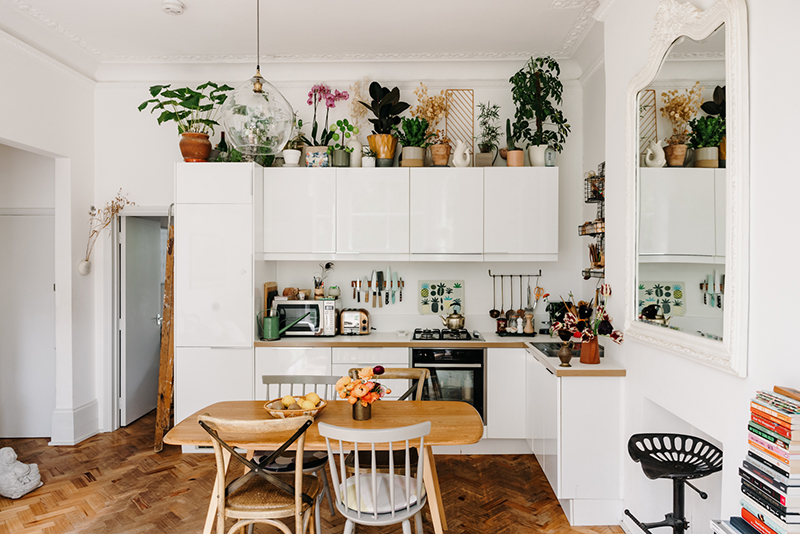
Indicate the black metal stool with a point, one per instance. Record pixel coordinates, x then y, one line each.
680 458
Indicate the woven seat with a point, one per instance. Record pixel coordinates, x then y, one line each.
258 495
677 457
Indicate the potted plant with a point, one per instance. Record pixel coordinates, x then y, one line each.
413 135
536 91
433 108
342 130
316 154
679 108
195 111
716 107
707 134
292 152
368 157
490 134
515 157
387 107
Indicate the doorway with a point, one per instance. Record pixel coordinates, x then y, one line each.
139 266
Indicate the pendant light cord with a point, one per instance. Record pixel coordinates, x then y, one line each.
258 35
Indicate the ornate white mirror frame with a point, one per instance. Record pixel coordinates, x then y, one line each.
673 20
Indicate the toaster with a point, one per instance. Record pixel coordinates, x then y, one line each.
354 322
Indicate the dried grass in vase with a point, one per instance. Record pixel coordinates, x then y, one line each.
431 108
102 218
359 92
680 108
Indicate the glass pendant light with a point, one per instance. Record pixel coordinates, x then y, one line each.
258 120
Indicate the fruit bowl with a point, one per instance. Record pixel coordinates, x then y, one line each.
285 414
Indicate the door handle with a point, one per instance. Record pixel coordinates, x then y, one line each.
158 319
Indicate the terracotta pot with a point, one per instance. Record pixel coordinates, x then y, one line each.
383 144
590 351
515 158
676 155
362 413
440 154
195 146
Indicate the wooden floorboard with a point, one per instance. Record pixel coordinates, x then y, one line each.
115 483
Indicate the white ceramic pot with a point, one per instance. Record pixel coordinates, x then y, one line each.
84 267
413 156
291 157
356 154
368 161
706 157
536 155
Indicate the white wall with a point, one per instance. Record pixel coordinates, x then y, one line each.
48 109
713 402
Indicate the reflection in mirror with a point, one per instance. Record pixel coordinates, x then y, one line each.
681 190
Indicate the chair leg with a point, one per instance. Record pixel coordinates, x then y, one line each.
418 522
326 490
348 527
317 520
406 527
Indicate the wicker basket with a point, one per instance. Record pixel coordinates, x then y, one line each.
285 414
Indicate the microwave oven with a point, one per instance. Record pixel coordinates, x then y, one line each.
322 320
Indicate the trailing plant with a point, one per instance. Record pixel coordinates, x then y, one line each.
342 131
680 108
386 106
431 108
512 136
316 96
706 132
536 91
193 110
413 132
487 122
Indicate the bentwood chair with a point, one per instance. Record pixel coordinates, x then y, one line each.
258 496
313 461
372 497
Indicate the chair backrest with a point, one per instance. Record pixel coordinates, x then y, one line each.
403 373
280 385
363 496
240 428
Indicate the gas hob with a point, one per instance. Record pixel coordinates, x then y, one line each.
443 334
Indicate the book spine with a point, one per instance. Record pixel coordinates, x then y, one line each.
763 486
763 515
743 527
779 403
757 405
769 435
771 478
787 392
756 523
771 447
764 459
764 450
770 504
771 425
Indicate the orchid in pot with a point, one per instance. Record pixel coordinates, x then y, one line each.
361 392
317 154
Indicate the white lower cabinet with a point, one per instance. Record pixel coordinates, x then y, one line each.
505 387
315 361
205 375
574 427
345 359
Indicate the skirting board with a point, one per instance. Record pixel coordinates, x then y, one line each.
488 446
592 512
71 426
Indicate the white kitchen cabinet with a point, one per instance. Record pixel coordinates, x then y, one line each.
677 212
346 358
720 201
214 257
575 431
207 375
506 401
520 214
314 361
299 212
447 213
372 216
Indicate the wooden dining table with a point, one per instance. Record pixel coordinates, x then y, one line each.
452 423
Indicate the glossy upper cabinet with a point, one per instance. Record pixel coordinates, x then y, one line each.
447 212
372 214
720 201
677 212
520 213
299 211
214 257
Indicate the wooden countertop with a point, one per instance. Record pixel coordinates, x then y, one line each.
606 367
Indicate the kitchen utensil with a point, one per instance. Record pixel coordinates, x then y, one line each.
271 325
494 313
454 321
380 289
388 281
538 291
365 289
354 286
402 285
520 311
502 296
529 308
374 286
358 290
394 285
511 310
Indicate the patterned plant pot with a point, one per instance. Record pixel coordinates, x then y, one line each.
316 156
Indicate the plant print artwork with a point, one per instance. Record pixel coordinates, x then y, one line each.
669 295
440 297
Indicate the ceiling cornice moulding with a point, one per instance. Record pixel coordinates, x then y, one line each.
56 27
579 29
52 64
604 9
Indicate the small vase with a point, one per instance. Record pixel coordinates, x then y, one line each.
357 153
361 412
536 155
195 146
291 157
590 351
340 158
84 267
565 353
440 154
676 155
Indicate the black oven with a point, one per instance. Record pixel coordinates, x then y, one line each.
456 375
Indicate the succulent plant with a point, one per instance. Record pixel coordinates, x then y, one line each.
386 106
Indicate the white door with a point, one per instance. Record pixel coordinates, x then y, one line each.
27 326
141 280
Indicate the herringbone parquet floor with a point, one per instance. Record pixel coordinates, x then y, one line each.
115 483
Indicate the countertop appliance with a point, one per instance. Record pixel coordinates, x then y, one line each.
354 322
456 375
322 317
445 334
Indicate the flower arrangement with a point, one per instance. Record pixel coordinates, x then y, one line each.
365 389
100 219
318 94
680 108
586 322
431 108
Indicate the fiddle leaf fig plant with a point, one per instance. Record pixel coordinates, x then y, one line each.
412 133
706 132
193 110
536 91
386 106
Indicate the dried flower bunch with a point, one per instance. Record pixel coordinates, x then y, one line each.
100 219
431 108
359 91
680 108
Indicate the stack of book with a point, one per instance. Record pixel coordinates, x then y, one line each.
771 471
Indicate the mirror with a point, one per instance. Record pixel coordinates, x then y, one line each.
687 208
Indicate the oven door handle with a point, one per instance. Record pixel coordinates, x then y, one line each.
449 365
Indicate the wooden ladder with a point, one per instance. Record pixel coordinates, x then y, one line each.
166 365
